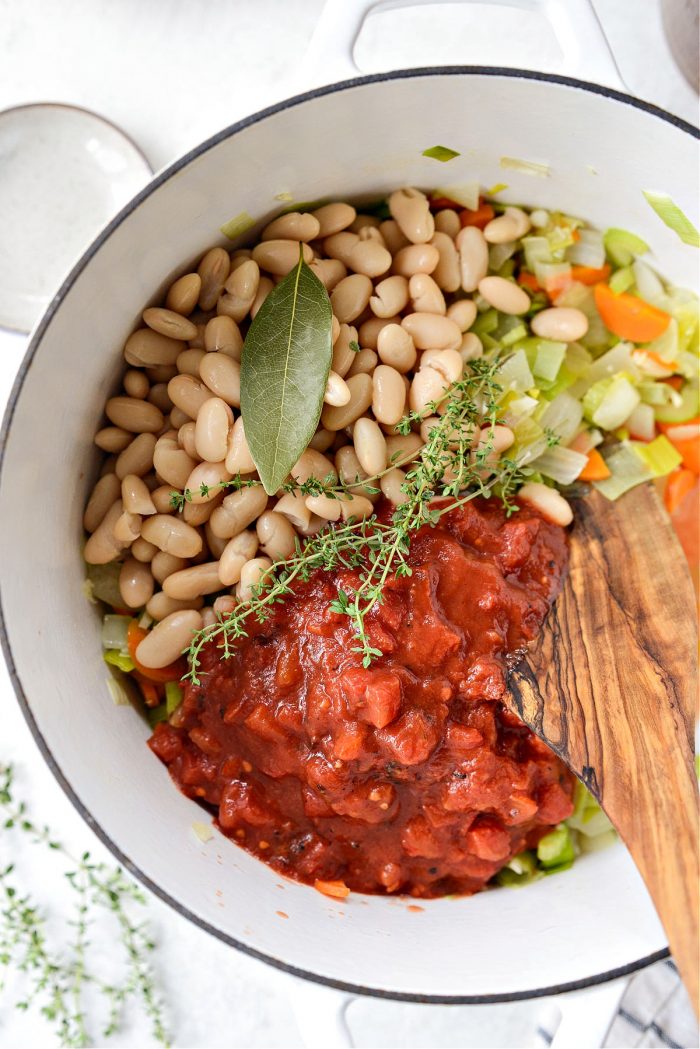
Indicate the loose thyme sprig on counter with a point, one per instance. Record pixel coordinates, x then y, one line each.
447 467
58 975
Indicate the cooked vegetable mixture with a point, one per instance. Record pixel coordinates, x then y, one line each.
317 437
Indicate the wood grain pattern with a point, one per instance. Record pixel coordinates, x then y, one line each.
611 686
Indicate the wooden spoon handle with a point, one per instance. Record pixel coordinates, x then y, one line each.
612 688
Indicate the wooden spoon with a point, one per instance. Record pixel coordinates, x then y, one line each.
611 686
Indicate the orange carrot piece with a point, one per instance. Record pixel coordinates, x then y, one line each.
337 889
596 469
629 317
678 485
134 636
689 447
480 217
589 274
529 280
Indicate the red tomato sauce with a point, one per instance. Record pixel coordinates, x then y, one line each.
408 776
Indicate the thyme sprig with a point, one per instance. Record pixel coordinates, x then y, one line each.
449 467
58 976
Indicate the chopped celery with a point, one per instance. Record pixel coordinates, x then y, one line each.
556 848
552 274
485 323
597 842
627 470
641 423
114 631
587 818
157 714
514 335
515 374
683 306
655 393
173 696
578 360
104 582
659 455
530 441
562 465
239 224
588 250
548 359
466 194
622 246
649 287
441 153
500 253
682 412
203 831
618 359
562 416
521 870
526 167
621 280
609 402
667 345
672 216
116 658
122 689
536 250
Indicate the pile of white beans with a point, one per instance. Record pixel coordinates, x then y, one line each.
407 290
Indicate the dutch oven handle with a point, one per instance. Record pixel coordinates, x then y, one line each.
585 51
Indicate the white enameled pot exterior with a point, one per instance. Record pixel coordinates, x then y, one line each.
363 138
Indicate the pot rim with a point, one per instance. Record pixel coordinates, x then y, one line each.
32 349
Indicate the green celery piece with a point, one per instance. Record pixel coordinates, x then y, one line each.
173 696
156 714
556 848
116 658
659 455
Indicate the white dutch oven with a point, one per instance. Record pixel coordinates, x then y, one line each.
361 137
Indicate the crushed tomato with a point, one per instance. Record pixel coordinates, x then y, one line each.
406 776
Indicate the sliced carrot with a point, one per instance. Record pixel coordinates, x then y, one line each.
596 469
438 203
575 235
337 889
529 280
665 427
480 217
685 437
589 274
149 690
676 381
678 485
629 317
134 636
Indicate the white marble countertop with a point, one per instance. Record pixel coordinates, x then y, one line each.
171 74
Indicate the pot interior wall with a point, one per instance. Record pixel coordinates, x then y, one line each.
359 141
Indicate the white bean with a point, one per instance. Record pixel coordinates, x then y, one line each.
237 551
193 582
127 527
428 387
136 496
411 210
548 501
280 256
426 296
213 271
137 458
323 506
313 464
511 225
329 271
390 296
343 355
172 535
188 393
364 363
396 348
339 246
104 495
197 514
447 273
416 258
222 375
471 347
143 551
264 288
337 418
368 332
276 535
349 298
147 349
136 384
240 290
160 605
170 323
430 331
293 226
205 480
473 257
172 462
447 221
388 394
370 446
251 576
463 313
504 295
560 323
135 583
403 448
212 429
134 415
112 439
337 391
238 457
332 218
237 511
222 335
390 484
188 364
293 506
164 564
103 546
355 507
168 639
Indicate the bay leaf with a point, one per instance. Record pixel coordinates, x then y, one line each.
284 369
